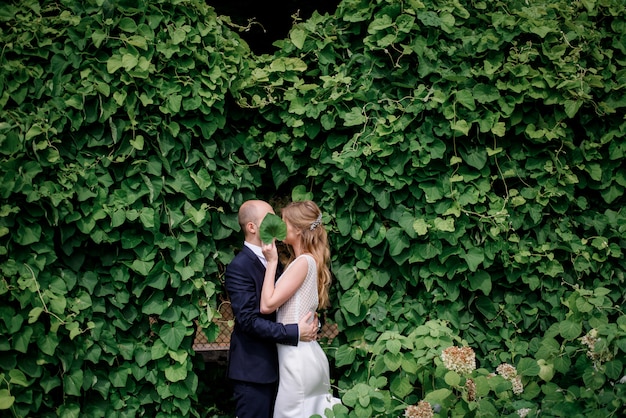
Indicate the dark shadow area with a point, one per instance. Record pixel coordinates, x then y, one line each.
215 397
269 21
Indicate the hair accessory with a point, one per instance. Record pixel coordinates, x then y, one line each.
316 222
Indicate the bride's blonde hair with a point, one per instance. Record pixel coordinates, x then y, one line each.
306 217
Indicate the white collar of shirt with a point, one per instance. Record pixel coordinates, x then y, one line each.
257 251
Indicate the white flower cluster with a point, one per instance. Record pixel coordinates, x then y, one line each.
459 359
509 372
470 386
590 340
421 410
506 370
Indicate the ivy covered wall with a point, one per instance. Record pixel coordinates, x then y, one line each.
468 157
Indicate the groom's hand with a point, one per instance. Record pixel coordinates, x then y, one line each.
308 328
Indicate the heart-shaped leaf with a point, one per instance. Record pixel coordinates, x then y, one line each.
272 227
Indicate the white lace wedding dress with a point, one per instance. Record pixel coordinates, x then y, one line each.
304 382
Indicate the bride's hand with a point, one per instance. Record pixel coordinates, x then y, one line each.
270 252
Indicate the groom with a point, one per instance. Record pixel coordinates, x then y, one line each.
253 361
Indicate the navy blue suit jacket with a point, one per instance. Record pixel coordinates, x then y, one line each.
252 356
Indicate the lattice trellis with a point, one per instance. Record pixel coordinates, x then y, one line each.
225 324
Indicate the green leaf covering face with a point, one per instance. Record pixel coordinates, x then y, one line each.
272 227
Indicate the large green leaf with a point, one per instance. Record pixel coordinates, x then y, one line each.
176 372
6 399
528 367
272 227
172 335
397 239
481 280
73 382
474 257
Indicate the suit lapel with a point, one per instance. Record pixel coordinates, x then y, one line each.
258 266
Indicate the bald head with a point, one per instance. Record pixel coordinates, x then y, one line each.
251 214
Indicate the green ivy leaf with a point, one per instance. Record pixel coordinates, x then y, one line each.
392 361
21 340
354 117
438 396
485 93
460 126
272 227
400 385
570 330
17 377
114 63
486 307
593 380
178 35
466 98
375 236
499 129
73 382
158 350
420 226
613 369
119 376
612 193
298 36
445 225
49 383
34 313
345 355
288 64
127 25
142 267
476 159
142 356
172 335
176 372
300 193
6 400
546 370
28 234
155 305
393 346
452 378
351 301
528 367
48 343
482 386
474 258
480 281
397 239
572 107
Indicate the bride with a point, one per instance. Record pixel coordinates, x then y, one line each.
304 379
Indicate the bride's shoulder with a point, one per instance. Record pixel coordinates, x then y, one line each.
304 258
308 256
